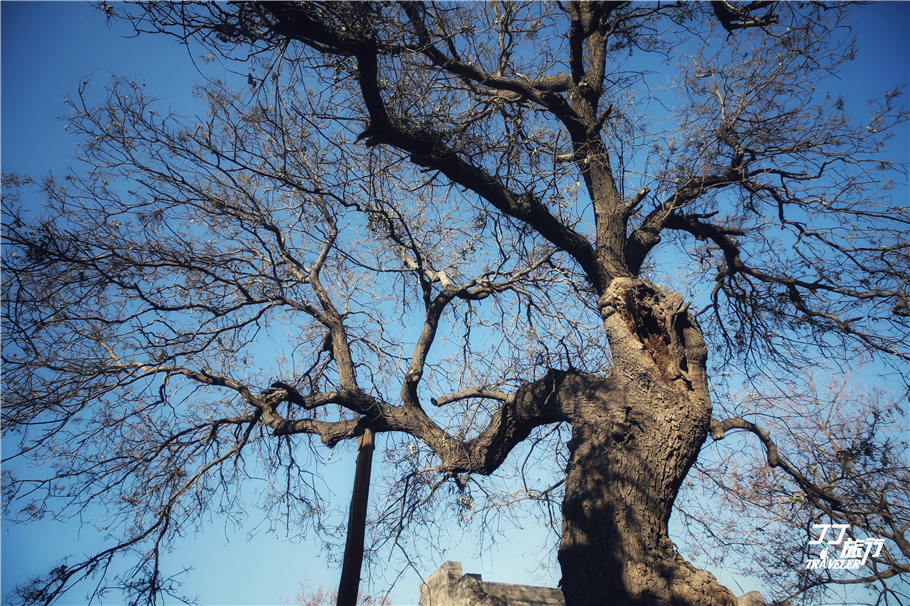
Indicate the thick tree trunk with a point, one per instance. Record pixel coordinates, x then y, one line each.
635 436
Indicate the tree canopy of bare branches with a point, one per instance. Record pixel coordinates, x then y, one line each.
446 223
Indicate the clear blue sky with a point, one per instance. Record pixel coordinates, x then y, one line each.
47 49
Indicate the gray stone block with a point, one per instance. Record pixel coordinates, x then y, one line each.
448 586
753 598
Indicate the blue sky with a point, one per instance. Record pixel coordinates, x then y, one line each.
48 48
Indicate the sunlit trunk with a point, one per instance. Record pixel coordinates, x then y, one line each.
635 435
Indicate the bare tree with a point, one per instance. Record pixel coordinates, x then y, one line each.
446 220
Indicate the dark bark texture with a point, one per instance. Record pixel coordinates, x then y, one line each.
635 435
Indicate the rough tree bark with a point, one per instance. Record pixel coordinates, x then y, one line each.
635 435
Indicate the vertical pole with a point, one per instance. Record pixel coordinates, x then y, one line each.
357 521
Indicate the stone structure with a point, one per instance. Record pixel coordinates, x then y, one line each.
449 587
753 598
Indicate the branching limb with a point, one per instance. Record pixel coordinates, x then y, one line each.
718 430
471 393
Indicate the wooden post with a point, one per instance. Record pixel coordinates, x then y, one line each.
357 522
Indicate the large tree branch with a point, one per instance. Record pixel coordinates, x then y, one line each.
647 235
734 16
718 431
428 150
547 400
539 90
